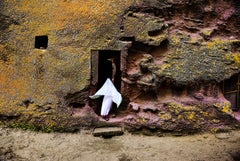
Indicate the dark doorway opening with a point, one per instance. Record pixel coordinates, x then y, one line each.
231 91
41 42
109 67
105 64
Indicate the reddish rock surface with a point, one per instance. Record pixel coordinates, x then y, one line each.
176 63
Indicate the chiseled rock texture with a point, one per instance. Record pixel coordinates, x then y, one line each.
178 53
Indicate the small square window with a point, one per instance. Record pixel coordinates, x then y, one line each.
41 42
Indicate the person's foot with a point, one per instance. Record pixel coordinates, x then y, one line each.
105 117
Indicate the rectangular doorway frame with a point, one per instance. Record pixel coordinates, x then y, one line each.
231 91
95 68
95 55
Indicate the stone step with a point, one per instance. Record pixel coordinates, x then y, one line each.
224 135
108 132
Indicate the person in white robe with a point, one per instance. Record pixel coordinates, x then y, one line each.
110 94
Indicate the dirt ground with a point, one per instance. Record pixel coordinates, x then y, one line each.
18 145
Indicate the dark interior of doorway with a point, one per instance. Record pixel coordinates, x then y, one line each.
107 61
231 91
108 58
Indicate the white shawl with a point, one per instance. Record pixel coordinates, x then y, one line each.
110 94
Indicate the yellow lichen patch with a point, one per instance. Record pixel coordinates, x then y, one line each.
216 121
190 115
165 116
141 120
207 31
173 105
164 66
224 107
182 107
175 39
236 57
180 117
218 43
205 114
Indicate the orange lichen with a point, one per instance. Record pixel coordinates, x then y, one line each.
40 74
59 15
74 27
12 87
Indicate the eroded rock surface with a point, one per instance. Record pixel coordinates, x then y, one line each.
174 59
